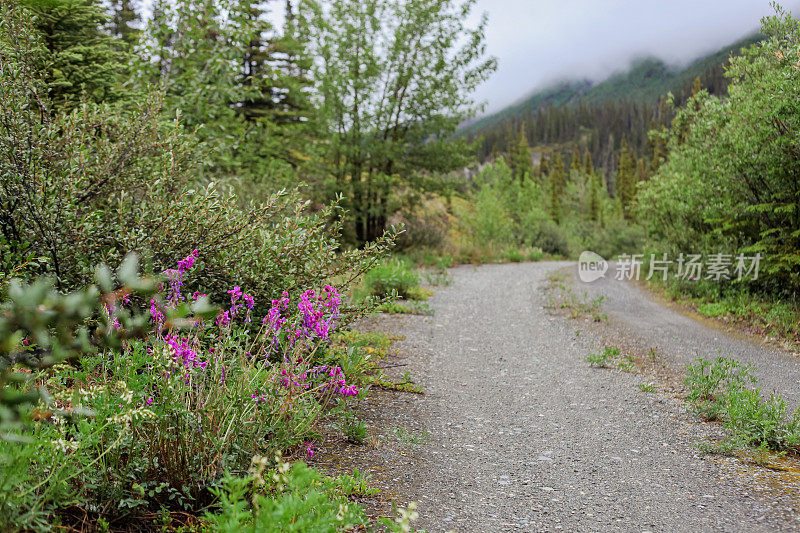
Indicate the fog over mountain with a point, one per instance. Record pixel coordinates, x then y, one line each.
541 41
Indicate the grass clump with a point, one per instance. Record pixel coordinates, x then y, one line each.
725 390
411 439
393 277
352 427
603 358
710 381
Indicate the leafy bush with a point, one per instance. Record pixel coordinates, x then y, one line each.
552 239
91 185
394 276
710 381
753 421
288 497
535 254
353 428
729 184
513 255
722 390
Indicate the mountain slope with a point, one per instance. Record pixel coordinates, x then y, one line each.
646 81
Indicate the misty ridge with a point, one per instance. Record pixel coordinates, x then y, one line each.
644 78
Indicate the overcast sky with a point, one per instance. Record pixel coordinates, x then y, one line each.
539 41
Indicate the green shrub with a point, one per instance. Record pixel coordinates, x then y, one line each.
535 254
88 186
752 421
552 239
393 308
286 498
490 223
513 255
353 428
394 276
709 382
721 390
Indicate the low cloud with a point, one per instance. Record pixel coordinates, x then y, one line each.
540 41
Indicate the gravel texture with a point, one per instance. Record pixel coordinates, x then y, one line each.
525 436
680 338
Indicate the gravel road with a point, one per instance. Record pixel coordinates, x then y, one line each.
680 338
525 436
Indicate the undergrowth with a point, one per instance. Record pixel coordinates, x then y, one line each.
725 390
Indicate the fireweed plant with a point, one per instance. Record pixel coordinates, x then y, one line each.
163 420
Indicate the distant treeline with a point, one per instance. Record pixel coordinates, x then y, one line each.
599 118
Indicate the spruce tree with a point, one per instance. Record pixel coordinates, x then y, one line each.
626 179
521 164
642 173
594 198
588 167
122 19
697 86
575 163
83 59
558 182
544 165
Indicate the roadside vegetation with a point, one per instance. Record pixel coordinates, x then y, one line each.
175 303
561 295
725 390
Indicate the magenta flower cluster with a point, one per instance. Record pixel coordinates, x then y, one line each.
336 380
328 378
175 277
316 319
174 285
239 300
314 309
183 352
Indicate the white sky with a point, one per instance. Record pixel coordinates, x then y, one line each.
539 41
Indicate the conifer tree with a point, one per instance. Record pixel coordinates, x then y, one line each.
588 167
122 20
495 152
626 178
544 165
521 164
558 182
697 86
83 59
642 173
575 163
594 198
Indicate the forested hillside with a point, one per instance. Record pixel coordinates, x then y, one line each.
598 116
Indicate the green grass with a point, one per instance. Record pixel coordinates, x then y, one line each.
603 358
394 276
410 438
724 389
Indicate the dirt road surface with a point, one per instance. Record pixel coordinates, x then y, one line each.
525 436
